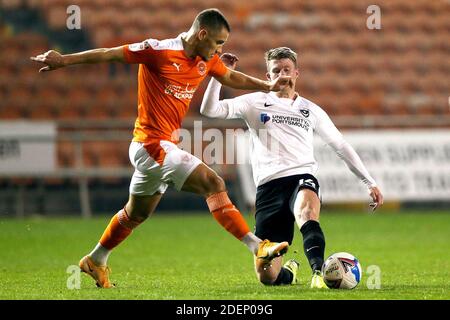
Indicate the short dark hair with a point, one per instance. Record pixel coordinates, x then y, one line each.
280 53
211 19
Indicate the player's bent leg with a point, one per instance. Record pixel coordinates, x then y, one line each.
137 209
206 182
306 207
306 212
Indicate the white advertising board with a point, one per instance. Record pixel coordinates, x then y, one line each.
408 165
27 147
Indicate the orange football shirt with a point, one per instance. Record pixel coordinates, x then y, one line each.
167 80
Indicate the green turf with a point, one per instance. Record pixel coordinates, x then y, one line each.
191 257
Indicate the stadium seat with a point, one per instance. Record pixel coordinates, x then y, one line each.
349 70
66 151
12 4
57 17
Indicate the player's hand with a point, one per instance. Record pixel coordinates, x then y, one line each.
377 198
52 59
230 60
279 83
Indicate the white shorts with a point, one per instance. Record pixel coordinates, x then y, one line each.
159 164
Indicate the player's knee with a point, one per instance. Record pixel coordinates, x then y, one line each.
267 279
138 215
308 213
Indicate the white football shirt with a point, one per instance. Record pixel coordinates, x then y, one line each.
281 133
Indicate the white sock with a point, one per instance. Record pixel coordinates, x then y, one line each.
100 255
252 242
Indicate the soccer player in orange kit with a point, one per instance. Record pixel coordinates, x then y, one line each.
170 71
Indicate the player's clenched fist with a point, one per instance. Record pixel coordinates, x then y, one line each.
229 59
52 59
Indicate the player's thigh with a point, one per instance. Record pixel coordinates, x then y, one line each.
203 180
178 166
273 218
275 226
307 205
147 178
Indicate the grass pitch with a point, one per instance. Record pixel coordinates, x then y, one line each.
185 256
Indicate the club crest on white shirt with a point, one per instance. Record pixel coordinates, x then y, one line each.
305 113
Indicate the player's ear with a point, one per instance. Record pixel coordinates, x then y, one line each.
202 34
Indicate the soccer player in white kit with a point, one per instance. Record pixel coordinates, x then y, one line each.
281 127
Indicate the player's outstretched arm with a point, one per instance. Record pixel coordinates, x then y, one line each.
54 60
330 134
346 152
239 80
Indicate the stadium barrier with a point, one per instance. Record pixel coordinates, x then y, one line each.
404 162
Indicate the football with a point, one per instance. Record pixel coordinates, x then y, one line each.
341 271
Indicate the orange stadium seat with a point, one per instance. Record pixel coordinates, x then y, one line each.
88 17
127 108
67 111
57 16
143 5
11 4
42 111
109 16
131 34
105 154
104 36
112 154
337 53
66 154
11 110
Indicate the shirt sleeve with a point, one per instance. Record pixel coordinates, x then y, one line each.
142 52
218 68
223 109
211 105
237 107
333 137
326 129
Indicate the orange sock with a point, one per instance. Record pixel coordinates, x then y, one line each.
117 230
227 215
